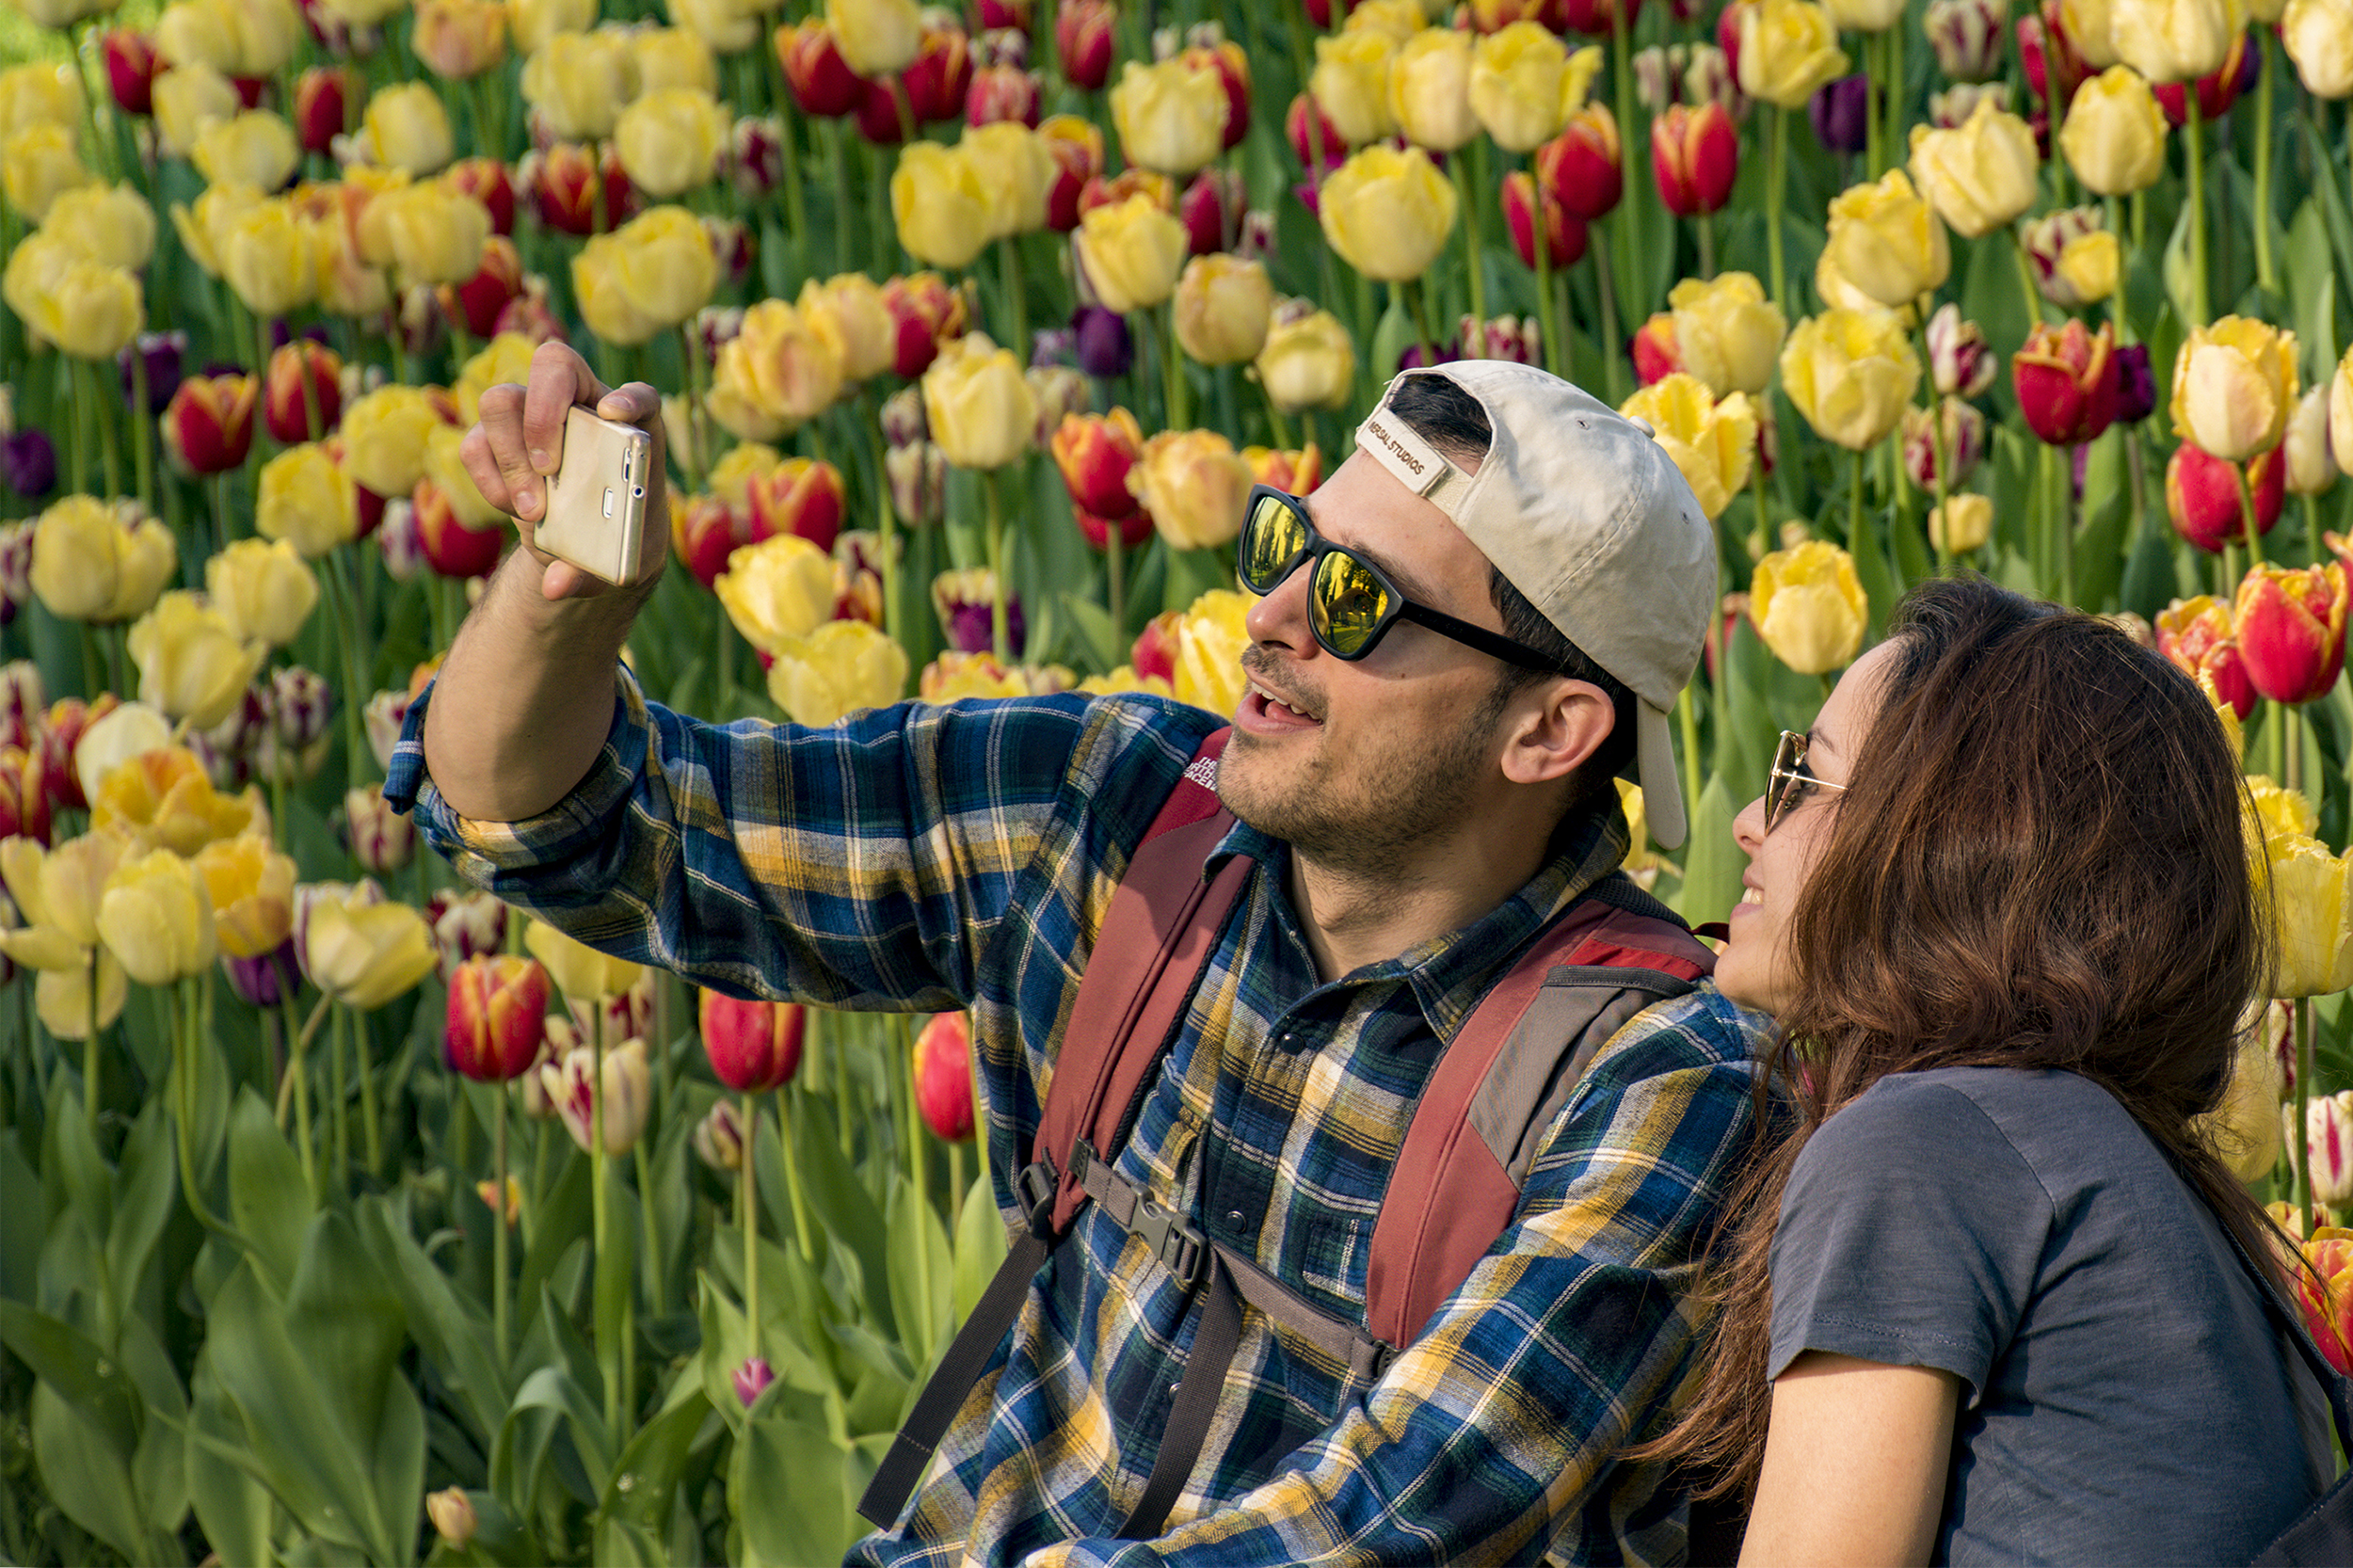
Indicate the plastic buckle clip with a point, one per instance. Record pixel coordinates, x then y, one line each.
1174 1242
1037 1186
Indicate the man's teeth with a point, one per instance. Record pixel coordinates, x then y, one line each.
1753 895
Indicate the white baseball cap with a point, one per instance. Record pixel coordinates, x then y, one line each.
1586 516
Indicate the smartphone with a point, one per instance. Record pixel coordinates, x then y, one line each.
596 516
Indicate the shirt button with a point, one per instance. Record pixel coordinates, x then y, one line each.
1233 1217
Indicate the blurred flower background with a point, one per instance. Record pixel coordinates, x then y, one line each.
357 1216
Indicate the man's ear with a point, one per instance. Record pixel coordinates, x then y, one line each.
1553 726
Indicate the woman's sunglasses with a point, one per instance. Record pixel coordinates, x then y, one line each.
1351 603
1786 787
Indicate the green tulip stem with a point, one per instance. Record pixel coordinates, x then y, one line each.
1173 369
2028 288
1776 183
499 1243
1858 528
2267 270
999 636
2194 138
838 173
1763 540
922 1330
142 430
371 1119
1612 346
690 357
747 1213
1705 223
86 372
341 1087
258 448
787 1152
1548 321
2302 1008
2312 528
1936 447
1400 295
188 1023
345 609
601 1220
1633 150
92 1044
298 1074
1116 572
886 520
1459 166
1686 715
2247 516
657 1292
1897 94
1874 149
1017 295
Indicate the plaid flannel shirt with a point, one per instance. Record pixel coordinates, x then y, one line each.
931 857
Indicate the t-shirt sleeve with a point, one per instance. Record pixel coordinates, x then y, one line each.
1911 1233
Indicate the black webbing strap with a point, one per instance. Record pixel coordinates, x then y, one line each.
1195 1405
954 1379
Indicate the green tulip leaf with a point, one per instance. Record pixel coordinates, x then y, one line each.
232 1506
95 1384
921 1268
790 1490
450 1328
146 1188
269 1202
90 1478
645 1482
844 1209
21 1195
552 1388
980 1247
1712 861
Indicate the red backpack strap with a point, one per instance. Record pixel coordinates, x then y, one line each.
1507 1071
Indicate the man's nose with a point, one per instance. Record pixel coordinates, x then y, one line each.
1281 616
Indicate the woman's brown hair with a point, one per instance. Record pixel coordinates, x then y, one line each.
2038 862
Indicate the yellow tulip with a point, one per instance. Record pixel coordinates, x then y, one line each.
460 39
1016 172
2315 925
86 309
1195 484
426 233
63 1000
157 919
1980 175
2245 1130
787 362
670 140
680 57
2234 384
1130 252
1525 84
2114 138
1851 373
1429 90
731 477
777 590
2175 40
1808 606
360 953
839 668
92 563
1963 524
1211 636
2341 412
267 256
505 357
533 23
192 662
200 32
197 225
876 36
2279 813
1388 214
1788 49
1728 333
1223 308
447 470
265 590
188 98
1865 16
384 436
161 798
583 975
1123 681
848 309
42 93
1171 117
2087 23
1712 442
251 886
1309 361
306 497
112 225
2319 39
58 893
37 165
982 412
2090 266
1399 19
649 275
256 148
939 204
1351 84
1886 241
577 84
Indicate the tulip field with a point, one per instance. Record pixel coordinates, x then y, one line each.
350 1216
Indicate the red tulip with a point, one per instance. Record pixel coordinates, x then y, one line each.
285 407
940 75
1303 134
1657 353
2291 630
753 1045
69 717
800 496
2202 495
563 184
1295 473
1564 234
2054 66
498 1016
1233 68
23 792
1319 11
208 424
1094 453
1212 208
821 81
488 182
1002 92
994 14
1155 652
132 66
2068 381
2328 1302
1595 18
943 1076
477 303
1084 39
1135 529
928 314
326 105
1109 191
1078 148
2200 637
704 532
1694 155
1582 168
450 546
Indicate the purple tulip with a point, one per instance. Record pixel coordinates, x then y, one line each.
1840 111
263 982
163 352
29 461
2137 396
750 1377
971 627
1104 347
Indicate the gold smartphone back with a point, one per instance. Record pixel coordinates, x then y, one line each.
596 516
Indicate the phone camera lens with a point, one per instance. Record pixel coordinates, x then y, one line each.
637 489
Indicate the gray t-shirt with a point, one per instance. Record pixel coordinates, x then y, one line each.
2128 1399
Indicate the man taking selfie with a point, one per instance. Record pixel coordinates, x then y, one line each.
1247 1320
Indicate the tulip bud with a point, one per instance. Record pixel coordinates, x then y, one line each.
156 918
1840 112
824 84
572 1084
1003 92
262 983
928 314
453 1515
719 1138
1695 155
29 461
1223 310
1961 364
1312 136
919 483
2234 384
1582 168
1808 607
2199 638
1195 484
943 1076
1153 655
1105 347
1967 36
1963 439
2054 67
2291 630
288 408
1518 339
479 301
497 1016
1657 352
2217 90
749 1379
1961 524
753 1045
208 427
564 183
966 604
132 66
1564 235
383 840
1084 42
2067 382
2311 467
1095 456
2328 1140
2327 1301
465 925
800 497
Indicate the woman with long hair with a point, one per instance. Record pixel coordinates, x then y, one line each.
1984 1305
